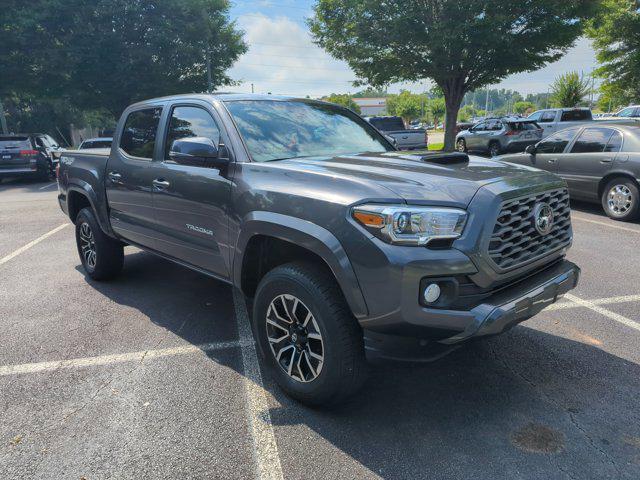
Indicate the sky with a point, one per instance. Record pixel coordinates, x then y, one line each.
282 58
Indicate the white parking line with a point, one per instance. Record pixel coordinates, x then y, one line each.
618 227
603 311
4 260
260 426
111 359
597 301
47 186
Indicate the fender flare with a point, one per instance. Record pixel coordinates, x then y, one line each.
307 235
85 189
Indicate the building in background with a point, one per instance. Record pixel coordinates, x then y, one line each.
370 107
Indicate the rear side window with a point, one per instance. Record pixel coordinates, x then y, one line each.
138 137
522 126
557 142
187 122
575 115
387 124
547 117
592 140
11 143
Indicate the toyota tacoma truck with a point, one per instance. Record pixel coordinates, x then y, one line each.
344 248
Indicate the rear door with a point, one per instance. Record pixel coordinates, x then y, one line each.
589 159
192 202
129 176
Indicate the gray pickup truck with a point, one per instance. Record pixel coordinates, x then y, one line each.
344 248
402 137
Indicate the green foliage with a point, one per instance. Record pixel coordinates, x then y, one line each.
109 53
615 31
449 41
613 98
407 105
344 100
370 92
438 108
524 107
569 90
466 113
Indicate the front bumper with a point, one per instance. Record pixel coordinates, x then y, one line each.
496 314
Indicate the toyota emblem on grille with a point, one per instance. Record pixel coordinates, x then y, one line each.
543 218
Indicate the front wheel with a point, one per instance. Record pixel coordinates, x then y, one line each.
102 256
461 145
494 149
307 335
621 199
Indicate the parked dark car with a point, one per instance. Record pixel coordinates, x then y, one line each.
31 154
600 164
344 248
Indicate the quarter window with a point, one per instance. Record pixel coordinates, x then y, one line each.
188 122
592 140
615 143
139 134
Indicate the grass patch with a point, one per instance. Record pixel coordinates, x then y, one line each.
436 146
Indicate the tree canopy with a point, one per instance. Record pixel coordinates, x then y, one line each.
110 53
344 100
615 31
461 46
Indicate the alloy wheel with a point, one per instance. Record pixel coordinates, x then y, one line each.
88 245
461 146
619 199
295 338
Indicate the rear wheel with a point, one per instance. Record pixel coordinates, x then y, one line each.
102 257
494 149
461 145
621 199
307 335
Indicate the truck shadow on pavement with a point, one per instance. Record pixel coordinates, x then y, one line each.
527 404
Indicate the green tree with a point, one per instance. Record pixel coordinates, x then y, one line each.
615 31
407 105
438 109
612 98
109 53
450 42
467 113
344 100
569 90
524 107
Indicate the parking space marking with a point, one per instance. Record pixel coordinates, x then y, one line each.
116 358
14 254
626 229
264 440
47 186
597 301
603 311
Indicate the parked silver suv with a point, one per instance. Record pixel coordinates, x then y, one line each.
499 135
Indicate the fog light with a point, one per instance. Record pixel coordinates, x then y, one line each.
432 293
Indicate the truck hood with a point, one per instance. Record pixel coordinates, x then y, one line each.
419 181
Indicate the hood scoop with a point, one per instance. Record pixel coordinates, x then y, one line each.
453 158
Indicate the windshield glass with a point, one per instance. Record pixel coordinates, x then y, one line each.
275 130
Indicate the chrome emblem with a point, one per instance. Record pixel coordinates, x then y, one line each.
543 218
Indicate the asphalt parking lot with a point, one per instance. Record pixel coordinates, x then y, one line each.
154 375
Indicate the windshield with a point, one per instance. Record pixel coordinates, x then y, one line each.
275 130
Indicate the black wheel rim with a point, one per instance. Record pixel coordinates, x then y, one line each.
294 338
88 246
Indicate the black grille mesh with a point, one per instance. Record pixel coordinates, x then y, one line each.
515 241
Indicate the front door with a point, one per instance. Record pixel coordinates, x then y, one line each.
129 176
589 159
191 202
549 150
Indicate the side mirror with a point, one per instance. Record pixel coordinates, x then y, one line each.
392 140
531 149
196 152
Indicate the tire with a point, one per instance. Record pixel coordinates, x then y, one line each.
461 145
311 296
102 257
621 199
494 149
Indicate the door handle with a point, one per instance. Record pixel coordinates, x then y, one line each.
161 184
606 160
115 177
552 160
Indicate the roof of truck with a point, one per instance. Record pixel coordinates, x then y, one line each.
223 96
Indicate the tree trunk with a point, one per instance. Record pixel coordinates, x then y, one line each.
454 91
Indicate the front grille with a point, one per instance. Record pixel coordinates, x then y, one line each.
515 240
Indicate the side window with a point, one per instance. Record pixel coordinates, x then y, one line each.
627 112
535 116
139 134
548 117
481 127
557 142
187 122
575 115
592 140
615 143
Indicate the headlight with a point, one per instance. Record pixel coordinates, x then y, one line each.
409 225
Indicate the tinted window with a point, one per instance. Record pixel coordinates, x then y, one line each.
575 115
557 142
615 142
275 130
139 133
10 143
387 124
592 140
627 112
96 144
547 117
521 126
189 122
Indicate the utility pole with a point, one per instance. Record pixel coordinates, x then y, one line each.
3 120
252 90
209 78
486 104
